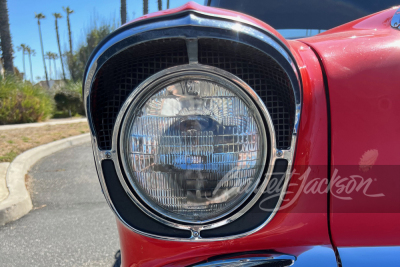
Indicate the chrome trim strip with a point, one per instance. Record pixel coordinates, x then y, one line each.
249 261
395 23
166 75
192 20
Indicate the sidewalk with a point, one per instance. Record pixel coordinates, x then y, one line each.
39 124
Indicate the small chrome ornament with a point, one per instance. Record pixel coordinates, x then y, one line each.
195 234
396 20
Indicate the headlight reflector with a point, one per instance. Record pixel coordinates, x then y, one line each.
194 148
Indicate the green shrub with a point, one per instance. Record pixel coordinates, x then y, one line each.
22 102
69 99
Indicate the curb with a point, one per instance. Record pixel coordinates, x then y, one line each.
19 203
39 124
3 184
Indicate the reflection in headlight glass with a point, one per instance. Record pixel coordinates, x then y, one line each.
195 149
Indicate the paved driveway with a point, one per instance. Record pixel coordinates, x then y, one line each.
71 224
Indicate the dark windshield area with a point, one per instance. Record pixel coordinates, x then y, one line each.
305 14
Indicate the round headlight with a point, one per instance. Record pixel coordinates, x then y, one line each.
194 147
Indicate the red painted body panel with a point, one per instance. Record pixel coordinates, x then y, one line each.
362 64
294 230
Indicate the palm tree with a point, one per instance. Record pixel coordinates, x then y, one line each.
167 4
22 48
69 11
56 17
49 56
123 12
159 4
39 17
145 7
5 41
31 52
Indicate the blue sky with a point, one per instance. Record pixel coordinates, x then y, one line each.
24 28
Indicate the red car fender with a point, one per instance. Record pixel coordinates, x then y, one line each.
362 64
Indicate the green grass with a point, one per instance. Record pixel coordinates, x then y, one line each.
25 139
9 157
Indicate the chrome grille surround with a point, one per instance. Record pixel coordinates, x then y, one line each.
191 18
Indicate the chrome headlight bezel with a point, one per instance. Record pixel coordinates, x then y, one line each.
194 72
166 76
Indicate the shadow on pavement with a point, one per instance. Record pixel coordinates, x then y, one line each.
117 257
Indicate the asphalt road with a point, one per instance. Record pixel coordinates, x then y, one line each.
70 224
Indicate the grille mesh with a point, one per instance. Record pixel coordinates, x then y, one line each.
260 72
123 73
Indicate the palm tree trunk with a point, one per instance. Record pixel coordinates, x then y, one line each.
50 68
70 54
59 50
30 64
167 4
6 44
159 4
69 34
145 7
23 63
44 61
123 12
55 69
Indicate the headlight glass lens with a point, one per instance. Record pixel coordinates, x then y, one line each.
195 149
